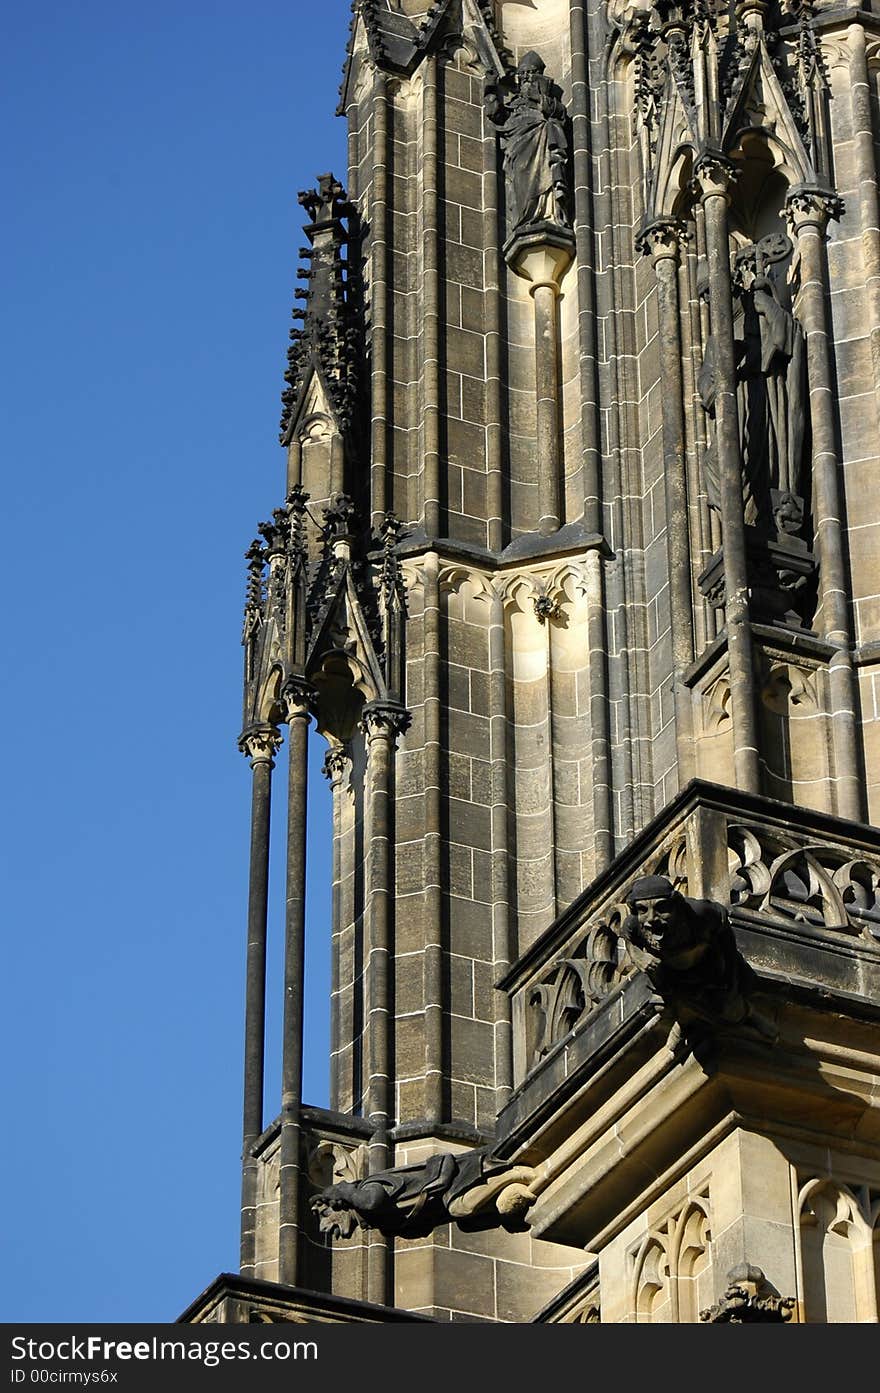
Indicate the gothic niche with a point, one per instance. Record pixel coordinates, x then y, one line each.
772 411
771 391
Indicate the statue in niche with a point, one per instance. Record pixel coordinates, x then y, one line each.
771 393
533 126
414 1199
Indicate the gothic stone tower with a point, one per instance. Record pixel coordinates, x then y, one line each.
577 575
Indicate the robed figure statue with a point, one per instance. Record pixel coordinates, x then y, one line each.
771 393
534 138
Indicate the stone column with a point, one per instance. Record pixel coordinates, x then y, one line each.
616 601
435 1054
493 301
808 211
378 276
715 176
382 722
430 303
600 735
337 465
259 743
294 464
587 311
298 697
543 263
336 762
661 241
503 947
866 176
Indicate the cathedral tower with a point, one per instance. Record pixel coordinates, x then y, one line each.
576 573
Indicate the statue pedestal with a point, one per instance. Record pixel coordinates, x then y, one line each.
780 571
541 253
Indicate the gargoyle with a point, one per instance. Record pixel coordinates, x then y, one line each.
688 952
414 1199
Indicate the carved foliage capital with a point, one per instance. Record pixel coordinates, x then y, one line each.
335 761
715 175
807 207
384 718
661 239
298 697
260 743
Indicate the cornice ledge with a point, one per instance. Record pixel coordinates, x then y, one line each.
570 539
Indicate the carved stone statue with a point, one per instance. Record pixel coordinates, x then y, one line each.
772 389
688 952
414 1199
771 393
534 138
749 1300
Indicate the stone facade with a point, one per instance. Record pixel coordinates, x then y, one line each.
583 396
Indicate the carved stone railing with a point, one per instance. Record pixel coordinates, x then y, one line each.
788 879
571 987
783 872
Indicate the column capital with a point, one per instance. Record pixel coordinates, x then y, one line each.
260 742
386 718
715 175
662 239
812 206
335 760
298 697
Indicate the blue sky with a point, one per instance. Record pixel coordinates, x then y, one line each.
150 242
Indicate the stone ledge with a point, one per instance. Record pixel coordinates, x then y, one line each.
235 1300
531 546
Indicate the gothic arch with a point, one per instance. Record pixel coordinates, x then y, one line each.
769 169
651 1281
836 1258
690 1257
270 698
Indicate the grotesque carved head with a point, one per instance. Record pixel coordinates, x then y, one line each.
334 1208
530 76
531 62
788 511
655 923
